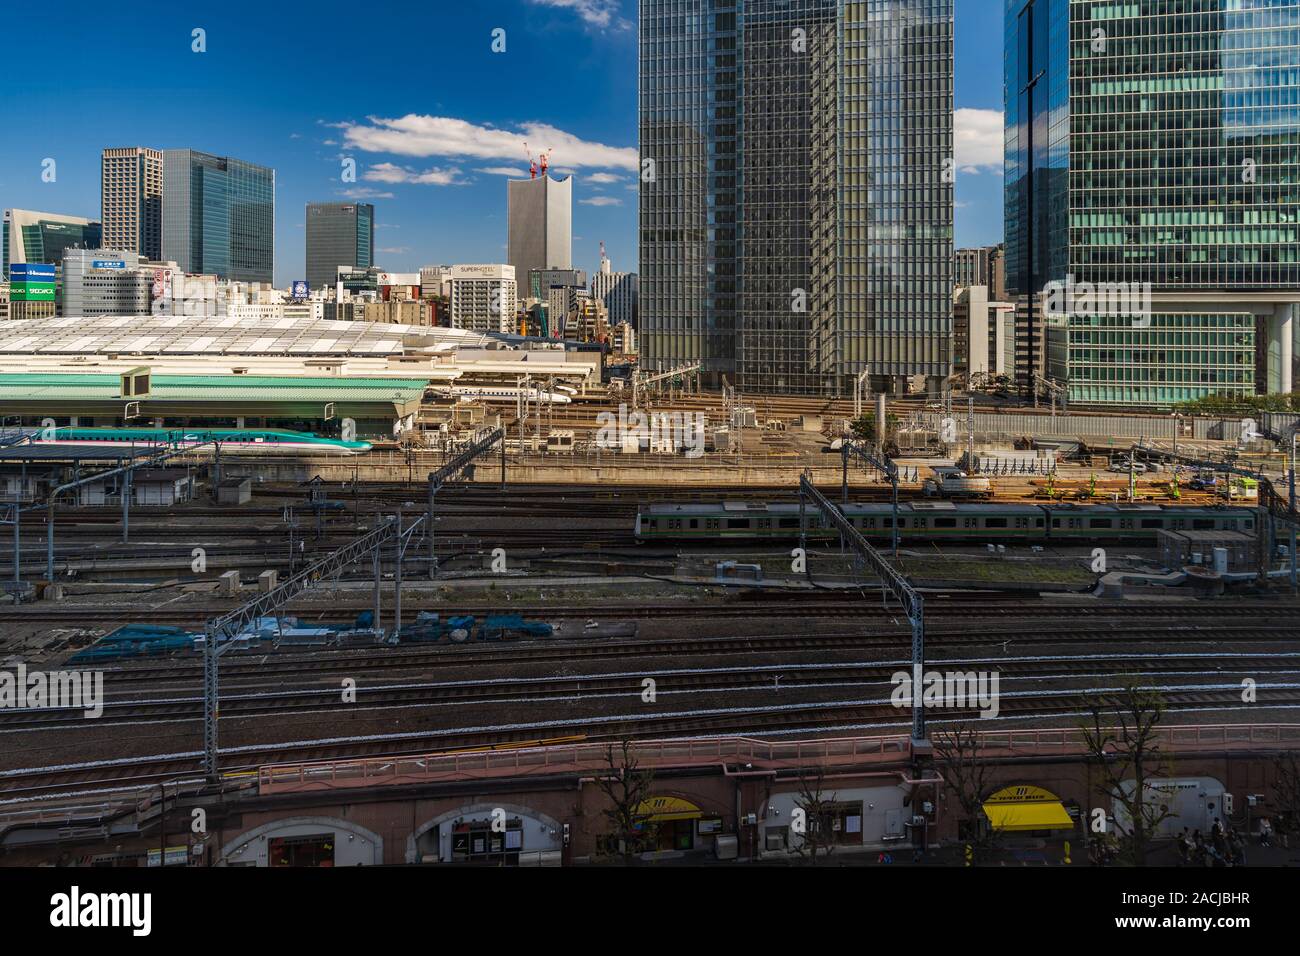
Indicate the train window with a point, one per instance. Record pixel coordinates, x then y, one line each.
1153 522
737 524
945 522
995 522
1250 524
972 523
1076 522
674 524
765 523
1056 522
787 522
920 522
695 523
1100 523
889 523
1203 524
712 524
1038 522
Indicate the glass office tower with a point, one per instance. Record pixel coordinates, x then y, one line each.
218 215
796 194
1158 142
338 234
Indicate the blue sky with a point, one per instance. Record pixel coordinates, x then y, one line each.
412 91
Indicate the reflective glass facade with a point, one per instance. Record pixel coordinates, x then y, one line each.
1154 141
218 215
1186 142
338 234
1118 360
796 207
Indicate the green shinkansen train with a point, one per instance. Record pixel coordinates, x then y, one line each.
235 441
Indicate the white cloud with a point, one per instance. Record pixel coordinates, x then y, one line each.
422 136
365 192
603 178
600 201
504 171
977 140
595 13
389 173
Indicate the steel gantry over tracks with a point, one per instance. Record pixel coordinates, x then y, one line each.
883 464
452 471
891 582
165 453
220 631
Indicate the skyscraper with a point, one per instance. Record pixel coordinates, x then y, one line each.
796 194
338 234
131 183
540 224
218 215
1153 146
42 237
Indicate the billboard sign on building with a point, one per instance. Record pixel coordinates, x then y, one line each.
31 272
301 290
31 292
115 265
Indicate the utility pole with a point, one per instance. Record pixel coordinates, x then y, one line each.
970 432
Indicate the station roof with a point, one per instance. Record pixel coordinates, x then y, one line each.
215 336
60 453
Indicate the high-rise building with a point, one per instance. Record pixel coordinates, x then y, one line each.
483 298
42 237
218 215
616 291
1151 151
131 186
338 234
982 265
540 224
796 193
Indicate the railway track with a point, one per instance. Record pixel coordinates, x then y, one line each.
793 719
989 611
242 700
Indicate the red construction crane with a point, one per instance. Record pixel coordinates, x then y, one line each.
546 160
532 163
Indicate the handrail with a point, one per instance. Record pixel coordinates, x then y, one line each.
588 757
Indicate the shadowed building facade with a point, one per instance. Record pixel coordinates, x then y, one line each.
796 193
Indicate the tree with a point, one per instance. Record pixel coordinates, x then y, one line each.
626 786
864 428
971 781
1287 792
814 812
1122 736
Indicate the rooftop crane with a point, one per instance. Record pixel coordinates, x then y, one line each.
532 163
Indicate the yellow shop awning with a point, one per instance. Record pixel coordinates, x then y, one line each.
1023 808
663 809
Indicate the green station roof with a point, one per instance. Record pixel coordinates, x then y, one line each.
172 394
